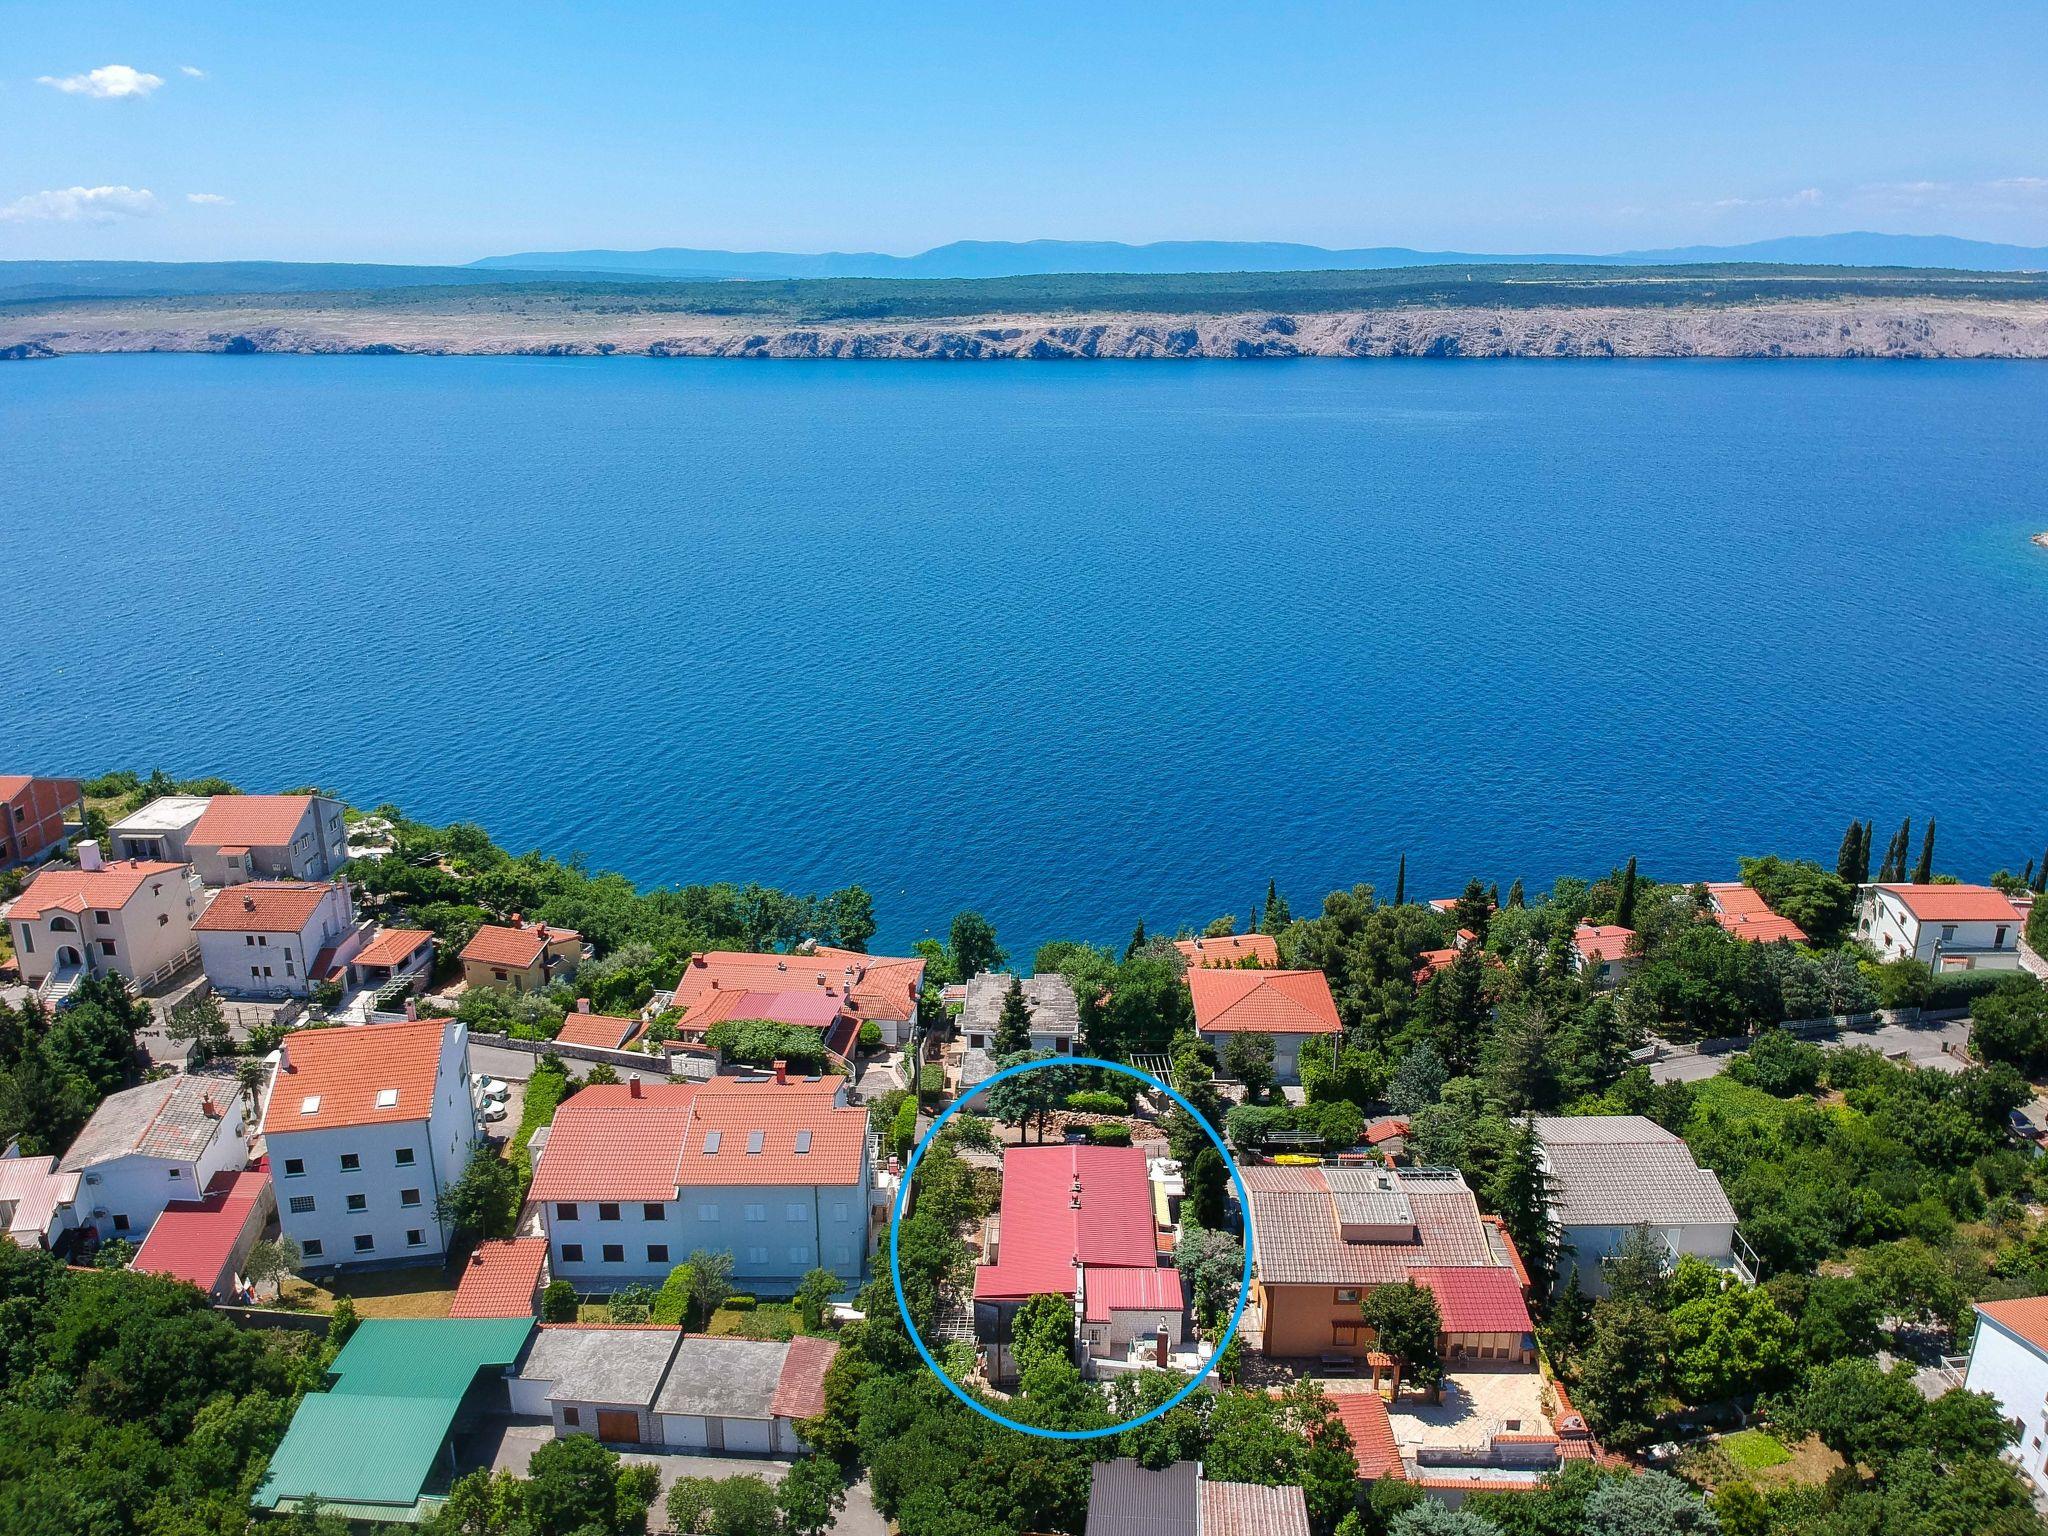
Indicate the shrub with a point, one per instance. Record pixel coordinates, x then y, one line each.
870 1035
1957 989
931 1081
558 1302
672 1301
903 1134
762 1043
1107 1133
1902 983
741 1303
1093 1101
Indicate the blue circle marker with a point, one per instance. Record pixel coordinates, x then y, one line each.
896 1271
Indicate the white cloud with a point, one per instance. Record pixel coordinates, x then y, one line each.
209 199
1805 197
190 73
111 80
88 205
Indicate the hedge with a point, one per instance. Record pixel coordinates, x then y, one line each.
1108 1133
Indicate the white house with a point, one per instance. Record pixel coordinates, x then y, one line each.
1602 951
268 837
1049 1000
149 1145
365 1127
1294 1009
37 1203
773 1170
159 830
1950 927
2009 1360
1610 1175
133 918
274 938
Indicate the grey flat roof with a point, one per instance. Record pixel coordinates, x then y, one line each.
724 1378
1050 999
167 813
600 1365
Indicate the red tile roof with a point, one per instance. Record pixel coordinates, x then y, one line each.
800 1389
254 821
884 987
1747 915
1253 1509
391 946
1372 1434
263 906
1386 1129
1269 1002
784 1116
1232 949
1433 960
1485 1300
2026 1316
1602 941
605 1144
334 1077
493 944
1955 903
195 1240
598 1029
1042 1231
501 1278
75 890
1151 1288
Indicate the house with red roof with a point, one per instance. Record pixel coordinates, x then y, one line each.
205 1242
33 814
393 955
268 837
1079 1221
1295 1008
834 991
520 956
582 1027
1249 951
275 938
774 1169
2009 1360
132 918
1742 912
1604 951
365 1127
1949 927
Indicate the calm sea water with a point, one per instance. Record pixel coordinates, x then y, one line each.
1067 643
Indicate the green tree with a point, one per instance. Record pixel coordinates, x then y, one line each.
1208 1189
574 1486
1625 904
1861 1412
1407 1324
2010 1023
1276 917
810 1497
1137 940
972 944
558 1302
1852 861
1401 881
1520 1193
1429 1518
1041 1331
1013 1025
1623 1370
1729 1343
710 1278
1923 872
484 1202
1248 1057
273 1261
1649 1504
1212 1262
813 1294
850 918
1418 1080
742 1505
199 1023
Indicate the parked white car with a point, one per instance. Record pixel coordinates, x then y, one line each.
495 1110
492 1088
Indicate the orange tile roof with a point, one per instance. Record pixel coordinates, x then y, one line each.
495 944
342 1071
1602 941
254 821
737 1108
800 1389
607 1144
1433 960
74 890
261 906
1747 915
2026 1316
501 1278
1232 949
391 946
1386 1129
597 1029
1955 903
884 987
1372 1434
1270 1002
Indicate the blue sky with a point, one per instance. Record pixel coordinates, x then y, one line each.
444 132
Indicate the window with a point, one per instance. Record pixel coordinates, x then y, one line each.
408 1197
707 1213
175 1172
803 1143
310 1248
263 940
358 1202
565 1210
102 918
794 1212
607 1212
657 1253
249 940
653 1210
288 967
404 1156
756 1213
838 1210
364 1242
1345 1333
615 1253
107 946
800 1253
295 1167
757 1255
976 1042
1998 939
351 1161
302 1205
28 940
571 1415
120 1223
415 1238
711 1141
755 1141
1347 1296
572 1253
1948 933
499 974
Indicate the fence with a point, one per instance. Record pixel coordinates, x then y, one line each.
274 1317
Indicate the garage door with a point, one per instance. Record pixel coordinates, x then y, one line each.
618 1425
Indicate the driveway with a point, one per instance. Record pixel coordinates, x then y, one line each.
1919 1045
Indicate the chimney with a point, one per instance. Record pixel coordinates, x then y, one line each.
476 1258
633 1085
248 902
89 855
284 1056
583 1005
208 1108
412 1008
518 921
781 1071
714 983
849 981
1163 1352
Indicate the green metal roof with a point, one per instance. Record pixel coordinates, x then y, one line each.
375 1436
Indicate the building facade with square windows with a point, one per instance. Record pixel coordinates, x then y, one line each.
147 1146
129 918
275 938
366 1127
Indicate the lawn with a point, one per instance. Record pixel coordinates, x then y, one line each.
765 1320
1752 1450
381 1293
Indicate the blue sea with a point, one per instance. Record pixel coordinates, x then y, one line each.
1072 644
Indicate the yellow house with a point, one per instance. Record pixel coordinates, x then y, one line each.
521 958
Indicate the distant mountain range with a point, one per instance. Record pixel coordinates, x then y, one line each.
1034 258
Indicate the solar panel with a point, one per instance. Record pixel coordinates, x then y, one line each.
711 1141
755 1140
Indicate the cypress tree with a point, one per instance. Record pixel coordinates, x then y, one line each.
1625 908
1924 870
1013 1025
1895 856
1851 849
1277 914
1401 882
1863 863
1493 895
2041 875
2028 878
1137 939
1515 897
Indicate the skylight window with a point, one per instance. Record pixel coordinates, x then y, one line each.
755 1141
310 1104
387 1098
711 1141
803 1142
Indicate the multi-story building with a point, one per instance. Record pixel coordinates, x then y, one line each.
275 938
1293 1008
33 813
1048 999
131 919
524 957
2009 1361
1949 927
775 1170
160 830
147 1146
365 1128
268 837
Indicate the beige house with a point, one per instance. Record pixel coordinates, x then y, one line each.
131 919
268 837
524 957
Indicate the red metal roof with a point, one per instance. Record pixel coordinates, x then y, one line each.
1268 1002
1747 915
194 1240
1044 1232
1372 1434
1477 1300
263 906
800 1389
501 1278
336 1077
1955 903
74 890
254 821
1152 1288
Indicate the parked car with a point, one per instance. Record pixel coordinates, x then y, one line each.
493 1088
495 1110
